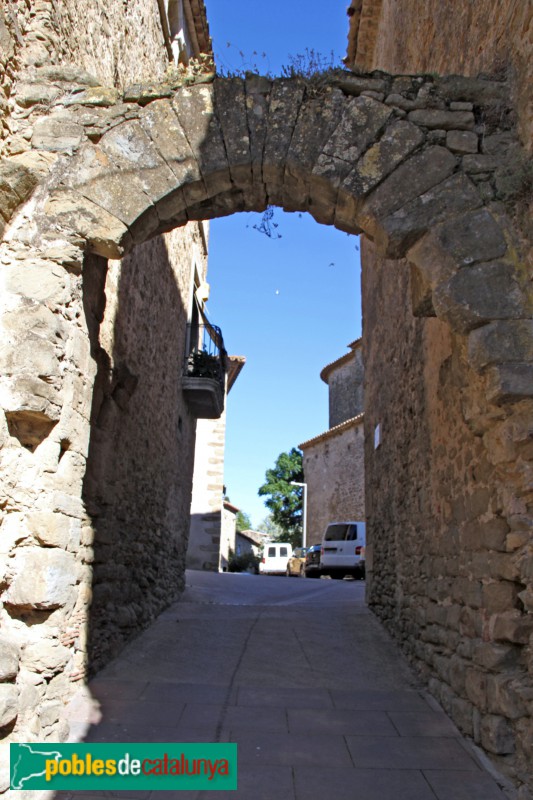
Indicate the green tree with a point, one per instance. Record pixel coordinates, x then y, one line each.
267 525
285 501
243 521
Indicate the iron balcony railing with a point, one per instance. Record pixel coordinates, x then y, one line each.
206 356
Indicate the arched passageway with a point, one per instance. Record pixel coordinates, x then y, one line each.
413 162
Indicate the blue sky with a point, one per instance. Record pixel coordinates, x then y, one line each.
289 304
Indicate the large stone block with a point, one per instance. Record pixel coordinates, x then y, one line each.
50 530
195 107
47 656
8 703
361 123
9 659
57 134
497 735
512 626
501 342
43 578
399 140
442 120
509 382
284 106
105 233
411 179
459 242
452 197
479 294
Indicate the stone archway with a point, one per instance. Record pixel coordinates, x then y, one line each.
405 160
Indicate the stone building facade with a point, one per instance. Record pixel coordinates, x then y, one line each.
333 462
208 543
125 536
449 506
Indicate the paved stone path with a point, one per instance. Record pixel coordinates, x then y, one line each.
302 676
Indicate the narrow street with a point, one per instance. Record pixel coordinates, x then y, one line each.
303 677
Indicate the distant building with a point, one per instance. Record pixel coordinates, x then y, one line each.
333 461
211 524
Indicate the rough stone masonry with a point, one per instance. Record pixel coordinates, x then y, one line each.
408 160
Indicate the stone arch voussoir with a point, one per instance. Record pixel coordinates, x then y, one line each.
396 158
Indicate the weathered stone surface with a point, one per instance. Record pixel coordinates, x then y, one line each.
145 93
31 94
512 626
509 382
162 125
230 103
462 142
362 120
284 105
408 181
100 96
51 530
355 84
57 134
42 578
47 657
398 141
317 119
495 656
478 294
473 90
195 109
474 237
502 341
475 164
497 735
257 90
443 120
65 73
43 282
398 232
9 659
8 703
106 234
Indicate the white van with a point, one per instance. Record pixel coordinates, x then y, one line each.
275 557
343 550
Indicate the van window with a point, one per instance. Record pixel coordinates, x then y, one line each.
283 551
272 552
341 532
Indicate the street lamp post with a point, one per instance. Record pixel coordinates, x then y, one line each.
304 514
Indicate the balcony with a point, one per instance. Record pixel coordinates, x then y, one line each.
203 381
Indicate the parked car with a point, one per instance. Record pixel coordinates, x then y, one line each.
295 564
343 550
274 558
312 562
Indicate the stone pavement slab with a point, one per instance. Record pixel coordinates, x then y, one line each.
317 696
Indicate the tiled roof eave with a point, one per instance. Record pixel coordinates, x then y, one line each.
354 422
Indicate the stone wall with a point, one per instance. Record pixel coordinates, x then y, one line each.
473 36
449 530
139 471
334 470
207 516
344 378
100 548
448 504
